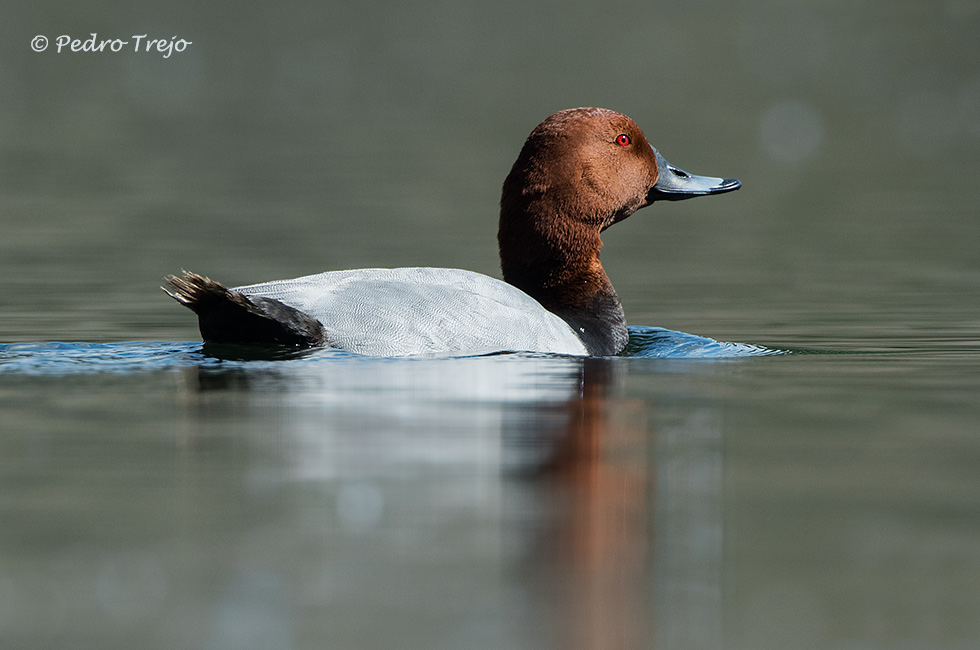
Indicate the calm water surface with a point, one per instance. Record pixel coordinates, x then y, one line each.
169 498
694 495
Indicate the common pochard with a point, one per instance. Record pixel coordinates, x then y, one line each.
580 171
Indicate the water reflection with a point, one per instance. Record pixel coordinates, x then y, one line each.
608 534
508 501
597 549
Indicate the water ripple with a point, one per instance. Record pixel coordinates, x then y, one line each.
148 356
68 358
660 343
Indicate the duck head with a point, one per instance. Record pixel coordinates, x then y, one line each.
579 172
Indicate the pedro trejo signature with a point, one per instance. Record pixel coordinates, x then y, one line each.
139 42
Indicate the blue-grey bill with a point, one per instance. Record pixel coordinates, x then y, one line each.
675 184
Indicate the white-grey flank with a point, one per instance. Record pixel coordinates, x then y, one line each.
412 311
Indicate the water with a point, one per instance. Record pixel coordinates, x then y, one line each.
160 494
692 494
146 356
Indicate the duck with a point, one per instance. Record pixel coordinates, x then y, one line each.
579 172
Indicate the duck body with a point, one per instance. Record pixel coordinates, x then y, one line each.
579 172
412 311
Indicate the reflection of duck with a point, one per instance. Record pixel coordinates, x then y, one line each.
597 542
599 509
580 171
633 545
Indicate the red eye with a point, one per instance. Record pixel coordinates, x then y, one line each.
623 140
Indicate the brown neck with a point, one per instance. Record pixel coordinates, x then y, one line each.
559 267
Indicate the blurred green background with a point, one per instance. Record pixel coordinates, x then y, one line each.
301 137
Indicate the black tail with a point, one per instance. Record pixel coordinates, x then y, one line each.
225 316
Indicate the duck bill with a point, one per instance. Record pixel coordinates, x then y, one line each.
675 184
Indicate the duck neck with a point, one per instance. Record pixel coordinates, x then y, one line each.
556 262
